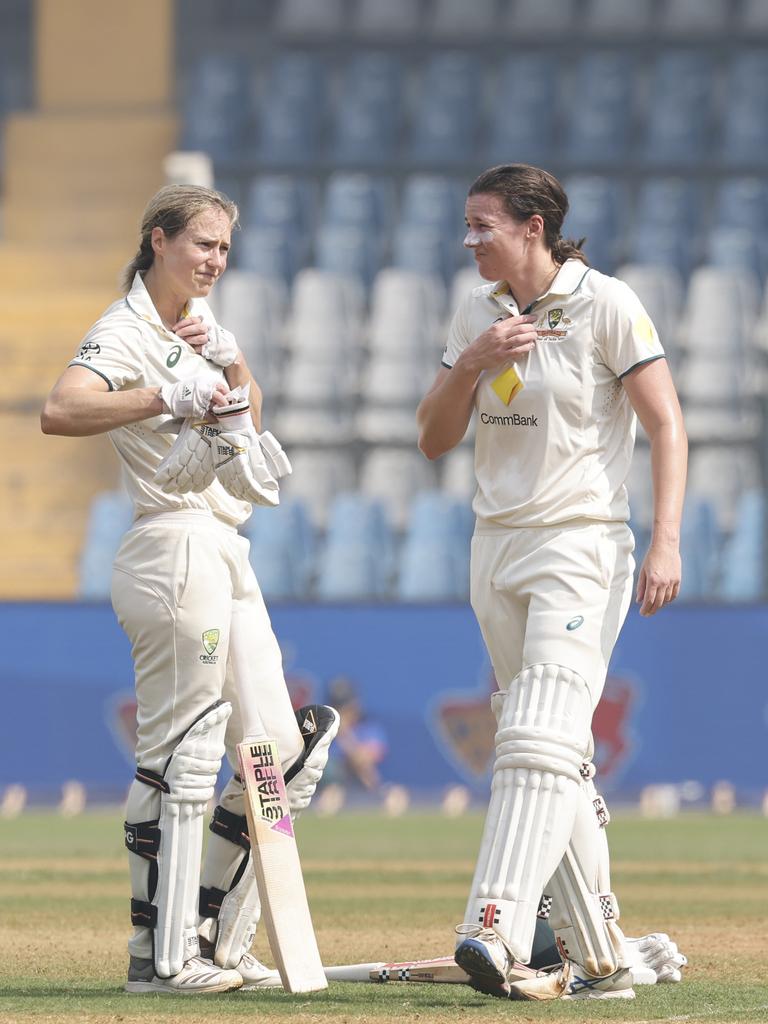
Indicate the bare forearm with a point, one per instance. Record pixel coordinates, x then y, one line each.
81 412
669 458
444 414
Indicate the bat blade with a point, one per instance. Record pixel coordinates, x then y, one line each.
278 869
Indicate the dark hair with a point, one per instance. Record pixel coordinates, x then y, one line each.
526 190
171 209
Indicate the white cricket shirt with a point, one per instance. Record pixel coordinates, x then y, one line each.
554 436
129 347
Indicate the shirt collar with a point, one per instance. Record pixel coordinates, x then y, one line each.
566 282
140 302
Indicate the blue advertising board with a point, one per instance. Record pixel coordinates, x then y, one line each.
686 697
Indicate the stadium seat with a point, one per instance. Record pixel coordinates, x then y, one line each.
456 19
527 18
387 380
739 249
743 565
661 245
719 474
425 249
216 113
464 281
310 19
458 474
596 212
446 119
282 550
313 379
692 18
366 119
280 200
679 108
291 101
600 108
608 18
394 477
395 19
318 476
742 202
356 561
349 250
744 137
434 200
328 298
752 18
700 546
295 425
383 424
721 308
253 308
434 561
110 516
358 200
526 82
272 252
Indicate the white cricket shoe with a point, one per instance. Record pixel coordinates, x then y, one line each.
256 975
490 966
571 981
196 977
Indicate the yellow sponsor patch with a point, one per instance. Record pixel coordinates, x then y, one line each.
507 384
644 331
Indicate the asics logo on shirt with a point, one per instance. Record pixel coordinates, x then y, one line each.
513 420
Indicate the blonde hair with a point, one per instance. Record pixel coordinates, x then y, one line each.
172 208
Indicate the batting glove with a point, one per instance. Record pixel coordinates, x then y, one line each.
221 347
654 959
188 466
189 398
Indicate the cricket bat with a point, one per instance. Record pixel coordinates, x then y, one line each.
278 869
273 844
441 970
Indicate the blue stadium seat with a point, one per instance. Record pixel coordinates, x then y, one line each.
308 18
282 550
395 19
693 18
606 17
742 202
291 109
456 19
110 516
744 552
425 249
348 249
357 558
279 200
434 561
667 215
700 544
447 115
271 251
434 200
216 112
736 249
596 211
679 108
528 18
745 131
367 114
358 200
600 111
527 83
663 245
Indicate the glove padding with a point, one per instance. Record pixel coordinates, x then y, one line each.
189 398
247 464
654 959
221 347
188 466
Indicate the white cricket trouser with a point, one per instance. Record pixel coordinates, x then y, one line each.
177 578
552 595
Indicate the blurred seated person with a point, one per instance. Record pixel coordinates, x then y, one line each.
361 743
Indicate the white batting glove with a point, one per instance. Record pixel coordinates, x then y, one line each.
247 464
188 466
221 347
654 959
189 398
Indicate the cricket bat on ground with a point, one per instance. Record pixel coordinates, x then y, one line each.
278 869
442 970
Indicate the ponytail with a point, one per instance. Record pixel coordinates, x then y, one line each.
568 249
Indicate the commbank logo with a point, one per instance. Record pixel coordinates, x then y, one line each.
513 420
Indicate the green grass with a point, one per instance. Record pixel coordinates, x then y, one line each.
382 889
